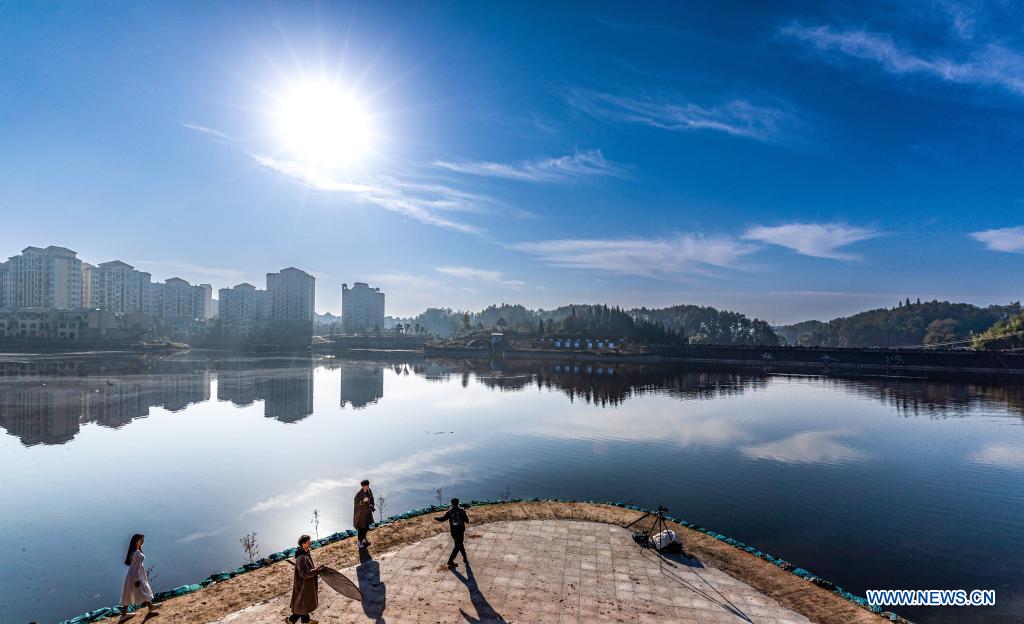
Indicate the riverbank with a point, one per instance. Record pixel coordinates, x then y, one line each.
791 587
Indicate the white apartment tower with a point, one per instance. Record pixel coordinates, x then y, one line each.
292 295
362 308
42 278
244 302
114 286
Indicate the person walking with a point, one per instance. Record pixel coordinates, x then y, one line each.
305 588
362 516
136 583
457 520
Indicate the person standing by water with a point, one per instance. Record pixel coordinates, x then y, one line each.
305 589
136 583
362 516
457 520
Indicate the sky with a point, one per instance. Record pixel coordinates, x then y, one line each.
785 160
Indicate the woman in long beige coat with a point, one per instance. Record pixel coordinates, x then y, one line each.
362 515
305 590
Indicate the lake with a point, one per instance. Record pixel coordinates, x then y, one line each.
871 483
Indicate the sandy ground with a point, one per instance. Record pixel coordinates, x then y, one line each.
788 590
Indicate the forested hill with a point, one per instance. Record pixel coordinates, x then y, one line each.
931 322
673 325
707 325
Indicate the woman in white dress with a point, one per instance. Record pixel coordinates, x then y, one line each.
136 584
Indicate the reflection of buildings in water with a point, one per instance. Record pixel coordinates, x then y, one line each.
287 393
238 387
288 396
39 414
362 383
51 411
176 392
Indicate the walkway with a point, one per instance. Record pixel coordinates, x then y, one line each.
535 571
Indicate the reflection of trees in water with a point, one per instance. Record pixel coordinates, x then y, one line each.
936 399
50 408
600 384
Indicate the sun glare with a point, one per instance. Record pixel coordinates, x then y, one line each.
322 125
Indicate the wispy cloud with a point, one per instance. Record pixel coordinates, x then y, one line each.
206 130
807 447
192 272
775 123
417 201
494 278
1000 455
1009 239
436 462
579 164
986 64
819 240
644 257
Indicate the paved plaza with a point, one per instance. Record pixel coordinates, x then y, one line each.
535 571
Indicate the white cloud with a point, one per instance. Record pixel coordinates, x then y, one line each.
586 163
496 278
435 461
644 257
738 117
984 64
807 447
1000 455
1009 239
417 201
819 240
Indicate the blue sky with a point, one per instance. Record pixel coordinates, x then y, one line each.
783 160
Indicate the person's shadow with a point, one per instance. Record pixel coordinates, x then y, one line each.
485 613
374 592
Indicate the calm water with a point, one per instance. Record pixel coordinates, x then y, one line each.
870 483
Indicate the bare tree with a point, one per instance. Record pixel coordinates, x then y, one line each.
315 521
250 546
382 506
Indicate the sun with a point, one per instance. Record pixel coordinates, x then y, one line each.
322 125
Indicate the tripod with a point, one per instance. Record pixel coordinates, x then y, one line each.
646 539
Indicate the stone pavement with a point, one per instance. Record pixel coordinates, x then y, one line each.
535 571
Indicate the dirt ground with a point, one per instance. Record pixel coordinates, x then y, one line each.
221 599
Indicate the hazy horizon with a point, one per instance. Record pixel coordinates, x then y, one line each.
784 161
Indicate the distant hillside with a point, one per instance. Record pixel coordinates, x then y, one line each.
931 322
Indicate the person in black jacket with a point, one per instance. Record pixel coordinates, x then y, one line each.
457 521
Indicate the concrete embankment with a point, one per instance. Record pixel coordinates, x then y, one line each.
781 583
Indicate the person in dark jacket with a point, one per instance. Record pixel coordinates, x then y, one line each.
305 590
457 520
362 516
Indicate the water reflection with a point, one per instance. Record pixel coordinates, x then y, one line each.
362 383
52 410
47 402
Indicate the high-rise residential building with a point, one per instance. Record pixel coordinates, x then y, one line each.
243 302
114 286
206 295
3 285
362 308
181 300
292 294
42 278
